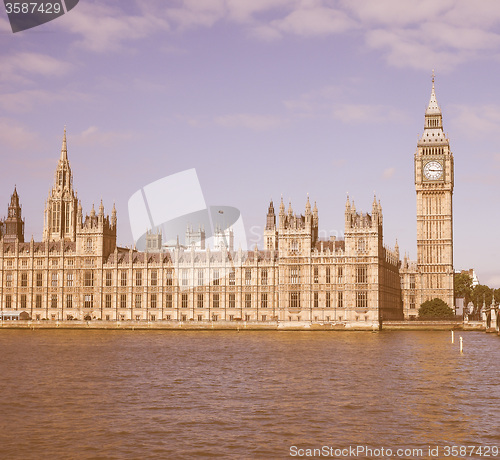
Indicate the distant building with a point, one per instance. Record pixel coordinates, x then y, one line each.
472 273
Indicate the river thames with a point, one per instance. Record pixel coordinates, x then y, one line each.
178 394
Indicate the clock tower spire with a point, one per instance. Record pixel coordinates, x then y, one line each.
434 187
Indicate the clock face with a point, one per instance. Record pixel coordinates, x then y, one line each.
433 170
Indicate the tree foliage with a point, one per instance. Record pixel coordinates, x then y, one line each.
496 292
481 294
463 287
435 309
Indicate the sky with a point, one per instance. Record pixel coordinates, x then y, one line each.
264 98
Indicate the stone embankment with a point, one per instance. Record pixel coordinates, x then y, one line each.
247 325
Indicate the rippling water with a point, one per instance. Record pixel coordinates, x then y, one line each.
165 394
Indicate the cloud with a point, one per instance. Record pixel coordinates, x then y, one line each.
365 113
476 120
102 28
249 121
338 163
195 13
15 136
191 121
418 35
314 21
27 100
329 101
5 26
93 136
395 13
388 173
247 10
404 50
315 101
22 65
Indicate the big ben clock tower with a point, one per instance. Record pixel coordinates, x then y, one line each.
434 187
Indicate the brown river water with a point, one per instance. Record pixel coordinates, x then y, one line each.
223 394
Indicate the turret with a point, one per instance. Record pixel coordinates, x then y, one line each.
79 218
270 233
271 217
113 216
348 214
282 213
14 224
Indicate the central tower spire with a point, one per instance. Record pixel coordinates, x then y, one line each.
62 204
64 148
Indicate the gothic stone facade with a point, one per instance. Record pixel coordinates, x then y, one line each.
79 272
351 281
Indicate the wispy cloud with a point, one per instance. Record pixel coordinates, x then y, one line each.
316 101
314 21
250 121
26 100
419 35
16 136
365 113
388 173
93 136
103 28
474 120
26 65
403 49
330 101
4 26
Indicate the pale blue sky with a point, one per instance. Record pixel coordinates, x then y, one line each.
263 98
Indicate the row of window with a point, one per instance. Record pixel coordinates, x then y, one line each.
214 317
361 275
88 277
294 300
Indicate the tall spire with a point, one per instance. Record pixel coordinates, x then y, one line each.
433 127
64 148
271 217
308 205
433 107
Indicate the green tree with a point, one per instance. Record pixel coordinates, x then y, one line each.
435 309
481 294
463 287
496 292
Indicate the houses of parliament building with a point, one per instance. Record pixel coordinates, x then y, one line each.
78 272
